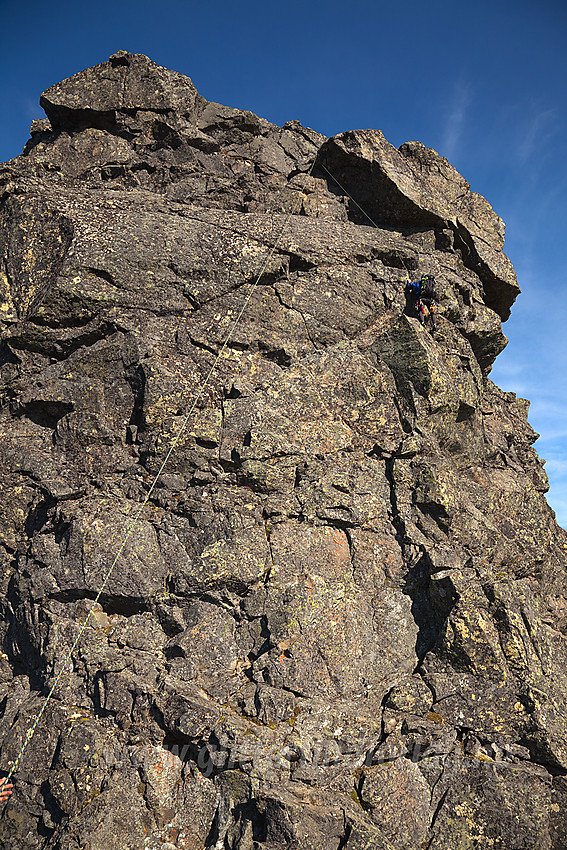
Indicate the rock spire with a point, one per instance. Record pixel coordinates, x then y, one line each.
341 620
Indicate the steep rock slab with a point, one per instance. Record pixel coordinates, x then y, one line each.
347 589
414 187
34 239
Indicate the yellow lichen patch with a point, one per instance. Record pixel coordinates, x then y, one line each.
472 638
468 811
206 426
435 717
6 303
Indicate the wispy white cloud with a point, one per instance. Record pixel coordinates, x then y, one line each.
455 122
31 107
557 467
538 130
549 421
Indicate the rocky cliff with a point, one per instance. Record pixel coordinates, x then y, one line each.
340 622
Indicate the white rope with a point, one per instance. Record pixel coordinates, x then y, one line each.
31 731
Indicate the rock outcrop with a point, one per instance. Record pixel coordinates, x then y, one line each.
341 619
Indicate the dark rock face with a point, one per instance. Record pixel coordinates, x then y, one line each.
341 619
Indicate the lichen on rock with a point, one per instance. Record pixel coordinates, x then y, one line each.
340 617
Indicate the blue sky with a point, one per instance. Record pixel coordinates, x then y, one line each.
484 83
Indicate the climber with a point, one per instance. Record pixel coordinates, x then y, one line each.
412 293
420 295
427 297
5 790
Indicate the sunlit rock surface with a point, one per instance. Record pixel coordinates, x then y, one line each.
340 621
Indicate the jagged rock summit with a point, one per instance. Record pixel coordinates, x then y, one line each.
341 619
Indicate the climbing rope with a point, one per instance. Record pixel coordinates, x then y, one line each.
419 304
363 211
133 524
